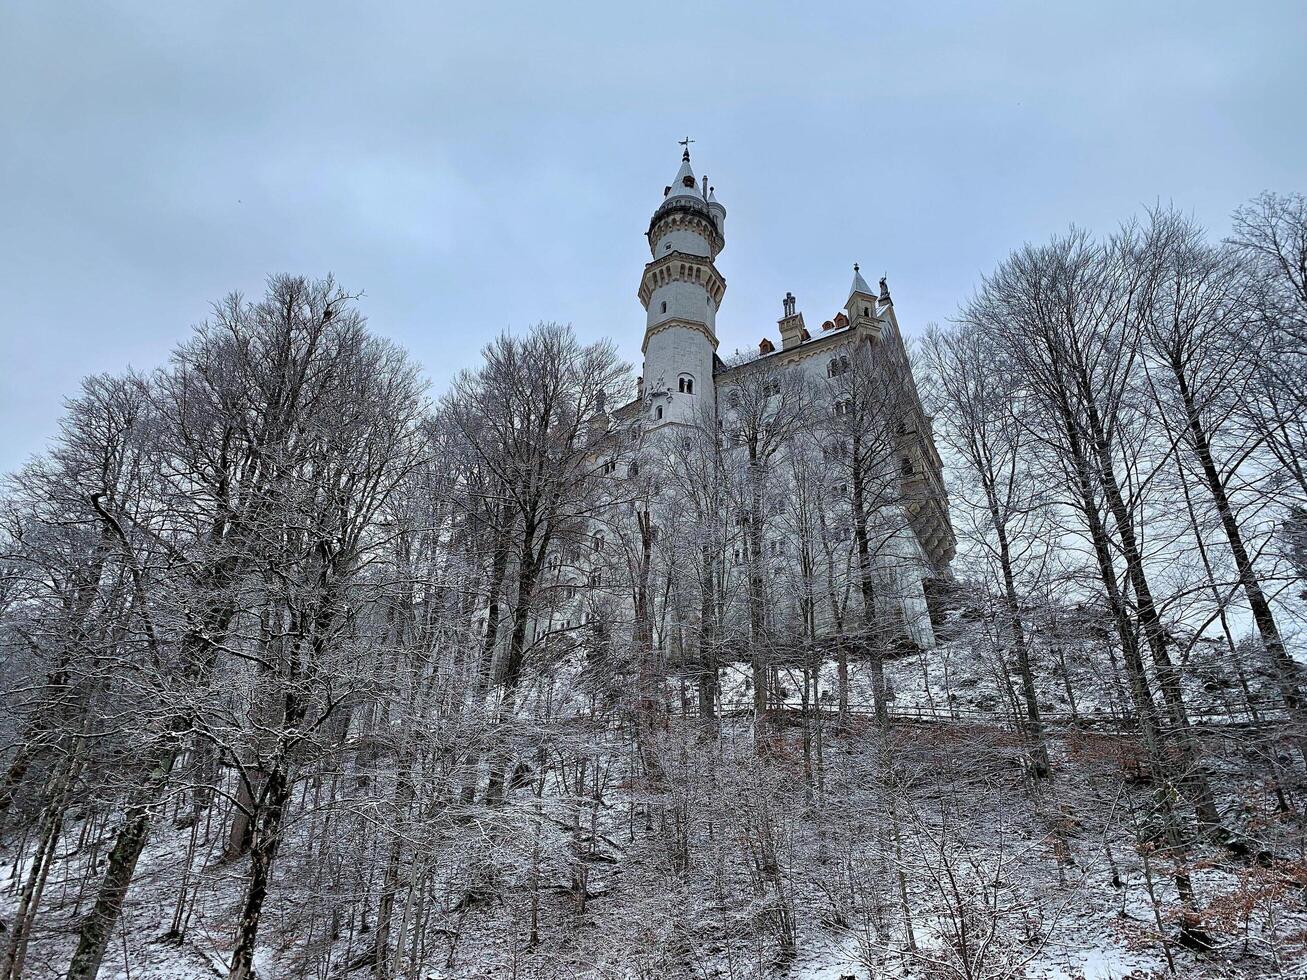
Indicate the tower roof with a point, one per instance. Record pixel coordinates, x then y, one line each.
685 184
859 284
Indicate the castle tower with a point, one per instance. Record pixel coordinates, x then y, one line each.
681 291
861 304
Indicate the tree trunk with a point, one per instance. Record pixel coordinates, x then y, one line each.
873 640
263 852
707 640
97 928
1286 670
1168 677
1034 726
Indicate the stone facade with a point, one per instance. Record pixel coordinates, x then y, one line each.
684 381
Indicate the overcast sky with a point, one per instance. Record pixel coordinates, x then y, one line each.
476 167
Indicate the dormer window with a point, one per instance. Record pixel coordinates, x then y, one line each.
686 384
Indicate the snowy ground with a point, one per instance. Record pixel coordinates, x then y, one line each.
1053 882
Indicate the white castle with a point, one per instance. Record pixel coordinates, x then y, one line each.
796 564
685 382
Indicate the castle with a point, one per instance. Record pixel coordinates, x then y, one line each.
839 516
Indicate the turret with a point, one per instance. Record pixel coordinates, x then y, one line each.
681 291
716 210
861 304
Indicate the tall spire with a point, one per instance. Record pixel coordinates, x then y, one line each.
859 284
685 184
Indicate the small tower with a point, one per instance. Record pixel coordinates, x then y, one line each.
681 291
861 305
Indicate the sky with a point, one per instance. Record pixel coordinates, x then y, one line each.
479 167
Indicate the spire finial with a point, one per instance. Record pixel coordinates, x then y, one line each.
855 267
686 143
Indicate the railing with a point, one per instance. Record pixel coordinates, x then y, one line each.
1200 719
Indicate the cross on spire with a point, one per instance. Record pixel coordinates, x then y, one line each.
686 143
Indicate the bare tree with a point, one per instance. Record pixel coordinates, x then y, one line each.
983 429
766 406
531 415
1195 334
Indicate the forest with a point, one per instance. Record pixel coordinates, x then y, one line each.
311 671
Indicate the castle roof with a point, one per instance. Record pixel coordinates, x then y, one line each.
859 284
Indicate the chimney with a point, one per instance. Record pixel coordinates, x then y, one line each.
791 323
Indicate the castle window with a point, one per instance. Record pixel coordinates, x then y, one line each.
866 311
664 306
658 413
907 466
837 366
596 579
634 469
597 542
844 406
686 384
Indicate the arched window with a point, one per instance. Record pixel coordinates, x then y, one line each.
597 542
866 311
664 306
686 384
658 413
